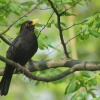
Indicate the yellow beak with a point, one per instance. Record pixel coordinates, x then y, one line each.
35 21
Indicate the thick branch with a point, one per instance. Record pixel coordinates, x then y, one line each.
27 72
47 64
74 64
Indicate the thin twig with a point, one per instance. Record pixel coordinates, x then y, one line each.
5 40
45 24
19 19
43 8
73 37
60 44
75 25
69 39
50 52
70 7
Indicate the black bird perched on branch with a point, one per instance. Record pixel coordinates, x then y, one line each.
22 49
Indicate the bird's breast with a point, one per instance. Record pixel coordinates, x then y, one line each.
29 43
27 48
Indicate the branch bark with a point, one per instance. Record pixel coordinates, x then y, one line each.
60 29
74 65
5 40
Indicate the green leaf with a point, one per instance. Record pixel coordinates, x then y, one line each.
2 1
15 8
44 42
54 47
75 0
71 87
80 95
94 33
72 2
81 37
18 23
98 78
97 12
97 25
57 2
91 24
91 20
41 41
81 81
48 25
85 74
86 36
56 24
90 91
86 33
41 46
63 24
66 1
98 98
92 81
36 32
69 14
39 25
29 4
61 10
3 22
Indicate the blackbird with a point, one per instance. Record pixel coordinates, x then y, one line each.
22 49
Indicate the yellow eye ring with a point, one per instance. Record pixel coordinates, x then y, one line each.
26 24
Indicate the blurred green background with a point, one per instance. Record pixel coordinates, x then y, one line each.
24 89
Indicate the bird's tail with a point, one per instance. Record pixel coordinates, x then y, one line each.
6 79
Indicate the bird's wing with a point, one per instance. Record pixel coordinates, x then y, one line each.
13 48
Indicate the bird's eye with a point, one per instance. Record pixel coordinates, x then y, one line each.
26 24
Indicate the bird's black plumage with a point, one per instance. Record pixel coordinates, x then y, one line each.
22 49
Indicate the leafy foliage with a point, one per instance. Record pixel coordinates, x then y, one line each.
91 26
79 85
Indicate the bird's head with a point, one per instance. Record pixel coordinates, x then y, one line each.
29 24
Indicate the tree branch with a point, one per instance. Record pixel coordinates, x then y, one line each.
19 19
70 7
5 40
75 25
45 24
61 37
74 65
73 37
47 64
60 29
55 10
